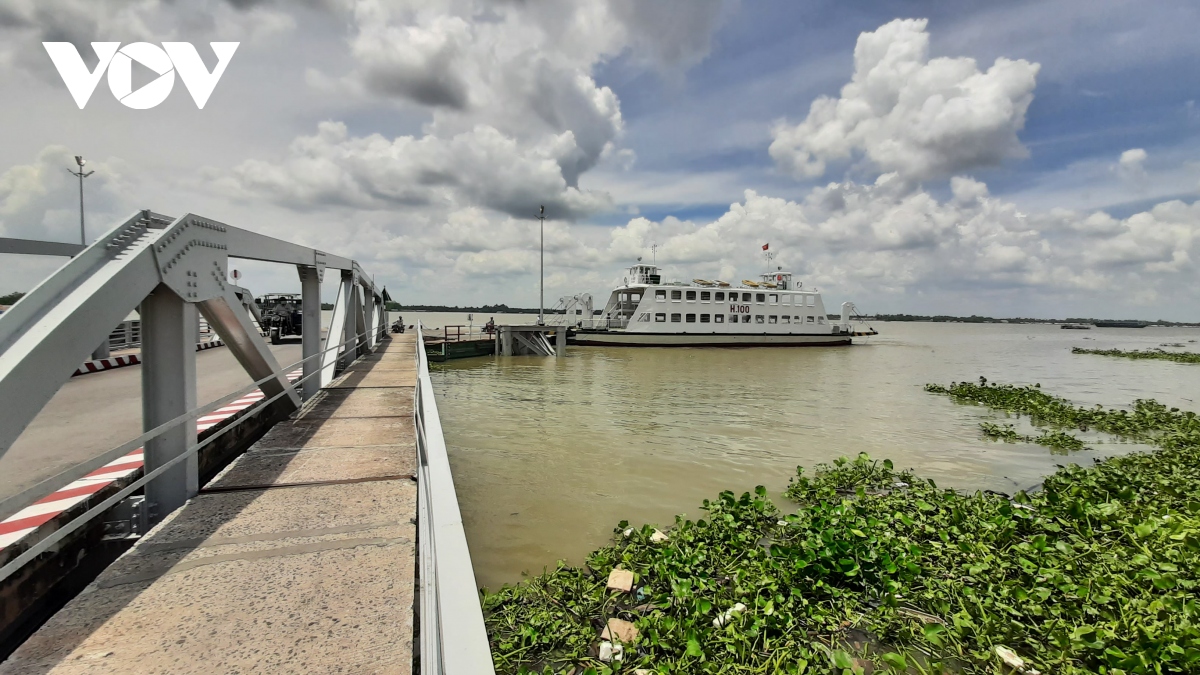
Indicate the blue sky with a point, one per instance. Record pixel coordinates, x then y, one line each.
1019 158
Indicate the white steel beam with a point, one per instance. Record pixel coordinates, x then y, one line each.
254 246
50 331
226 316
337 330
360 324
310 327
33 247
169 390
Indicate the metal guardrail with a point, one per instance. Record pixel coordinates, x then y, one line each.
173 272
453 637
16 502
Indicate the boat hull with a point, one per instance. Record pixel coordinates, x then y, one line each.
631 339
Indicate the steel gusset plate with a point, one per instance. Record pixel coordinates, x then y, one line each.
192 257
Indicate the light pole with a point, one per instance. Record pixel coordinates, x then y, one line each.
81 161
542 269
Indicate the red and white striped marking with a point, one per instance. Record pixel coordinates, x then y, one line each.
27 520
133 359
108 364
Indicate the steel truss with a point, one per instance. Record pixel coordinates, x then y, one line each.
172 269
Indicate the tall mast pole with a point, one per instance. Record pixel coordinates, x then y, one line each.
542 269
81 161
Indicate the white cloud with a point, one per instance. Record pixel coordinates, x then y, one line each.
920 117
480 167
885 237
1131 167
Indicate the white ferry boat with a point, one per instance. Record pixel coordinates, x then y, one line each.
771 312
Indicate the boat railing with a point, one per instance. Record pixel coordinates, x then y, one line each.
458 333
604 322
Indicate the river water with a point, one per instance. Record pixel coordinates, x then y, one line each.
548 455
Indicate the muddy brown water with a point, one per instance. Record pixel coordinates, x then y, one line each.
549 455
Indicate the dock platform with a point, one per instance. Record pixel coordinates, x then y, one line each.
298 557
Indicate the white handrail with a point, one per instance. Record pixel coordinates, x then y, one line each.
453 636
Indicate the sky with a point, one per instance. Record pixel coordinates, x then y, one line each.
1006 159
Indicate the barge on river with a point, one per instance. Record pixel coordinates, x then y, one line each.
772 312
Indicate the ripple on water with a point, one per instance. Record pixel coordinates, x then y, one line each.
550 454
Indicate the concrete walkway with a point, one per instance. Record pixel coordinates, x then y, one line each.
298 558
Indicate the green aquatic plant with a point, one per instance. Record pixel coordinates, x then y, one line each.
1055 440
875 568
1158 354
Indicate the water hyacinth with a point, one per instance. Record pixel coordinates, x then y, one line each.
1158 354
872 568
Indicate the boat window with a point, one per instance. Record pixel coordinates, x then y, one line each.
660 295
718 318
820 319
705 318
786 299
799 319
733 318
758 318
812 300
772 319
691 318
691 295
760 297
644 316
676 295
676 318
705 296
635 297
720 296
745 318
812 319
785 319
660 318
745 297
774 298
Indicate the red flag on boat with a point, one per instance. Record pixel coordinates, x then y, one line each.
766 246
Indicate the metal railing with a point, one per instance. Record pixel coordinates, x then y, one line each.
453 637
26 497
173 272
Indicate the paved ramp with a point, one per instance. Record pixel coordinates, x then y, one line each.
300 557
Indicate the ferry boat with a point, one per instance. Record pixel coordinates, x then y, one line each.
771 312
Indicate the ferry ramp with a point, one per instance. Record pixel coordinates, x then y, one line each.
299 557
334 543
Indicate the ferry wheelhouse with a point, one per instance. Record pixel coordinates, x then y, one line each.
774 311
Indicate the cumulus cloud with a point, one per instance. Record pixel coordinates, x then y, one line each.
884 236
25 24
906 113
1132 166
515 114
480 167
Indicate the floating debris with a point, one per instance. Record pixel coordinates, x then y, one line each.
620 580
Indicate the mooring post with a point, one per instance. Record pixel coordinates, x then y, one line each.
506 341
560 342
169 328
310 327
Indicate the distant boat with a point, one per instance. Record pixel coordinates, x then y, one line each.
1075 326
1121 324
643 311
